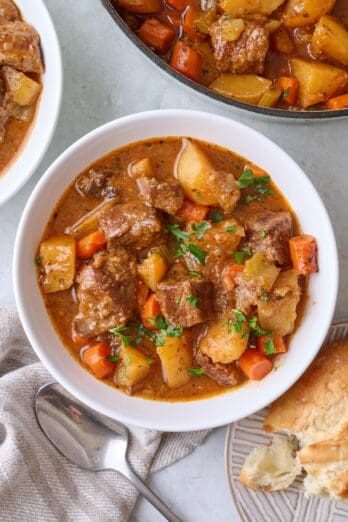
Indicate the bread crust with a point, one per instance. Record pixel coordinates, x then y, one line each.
324 452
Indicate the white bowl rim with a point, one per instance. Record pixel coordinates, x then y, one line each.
18 181
168 422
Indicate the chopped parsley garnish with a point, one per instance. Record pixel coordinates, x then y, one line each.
149 361
231 229
38 261
240 256
197 252
121 331
192 300
194 273
246 179
286 92
248 199
216 216
257 331
174 331
117 164
265 297
269 346
180 251
200 228
258 183
128 360
237 325
196 371
159 340
180 234
263 233
113 358
229 324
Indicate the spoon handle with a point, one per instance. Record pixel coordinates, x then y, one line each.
146 492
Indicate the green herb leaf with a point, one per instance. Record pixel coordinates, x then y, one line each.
160 322
229 324
197 252
159 340
257 331
117 164
200 228
120 331
38 261
149 361
180 251
192 300
113 358
270 348
196 371
194 273
240 256
173 331
216 216
177 232
231 229
263 233
286 92
245 179
239 324
128 360
248 199
265 297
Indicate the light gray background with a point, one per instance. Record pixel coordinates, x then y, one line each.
105 78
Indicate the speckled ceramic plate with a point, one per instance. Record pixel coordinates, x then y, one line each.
289 505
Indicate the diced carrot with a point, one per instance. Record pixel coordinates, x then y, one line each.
189 22
255 365
89 245
192 211
187 61
339 102
150 311
96 358
177 4
304 253
142 295
289 86
229 275
157 35
278 341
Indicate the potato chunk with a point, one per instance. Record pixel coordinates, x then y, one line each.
279 314
58 259
176 358
134 367
305 12
152 270
250 7
260 271
247 88
142 168
330 39
222 343
201 182
24 90
318 81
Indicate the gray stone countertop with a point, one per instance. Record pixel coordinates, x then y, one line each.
105 78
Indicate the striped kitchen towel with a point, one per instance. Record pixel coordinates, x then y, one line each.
36 482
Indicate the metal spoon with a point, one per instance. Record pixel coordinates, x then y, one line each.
89 440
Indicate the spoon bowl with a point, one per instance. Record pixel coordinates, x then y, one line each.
88 439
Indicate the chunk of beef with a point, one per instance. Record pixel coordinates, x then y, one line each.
106 293
8 11
185 303
20 47
134 224
6 106
96 184
269 233
223 374
161 194
245 55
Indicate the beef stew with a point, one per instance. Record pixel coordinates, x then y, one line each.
174 269
285 54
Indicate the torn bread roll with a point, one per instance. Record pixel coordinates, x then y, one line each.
315 410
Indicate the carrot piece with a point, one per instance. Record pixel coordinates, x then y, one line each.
229 275
304 252
150 310
179 5
192 211
187 61
289 86
255 365
89 245
157 35
189 22
339 102
142 295
278 342
96 358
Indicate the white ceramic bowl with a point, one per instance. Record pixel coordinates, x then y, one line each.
39 136
179 416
